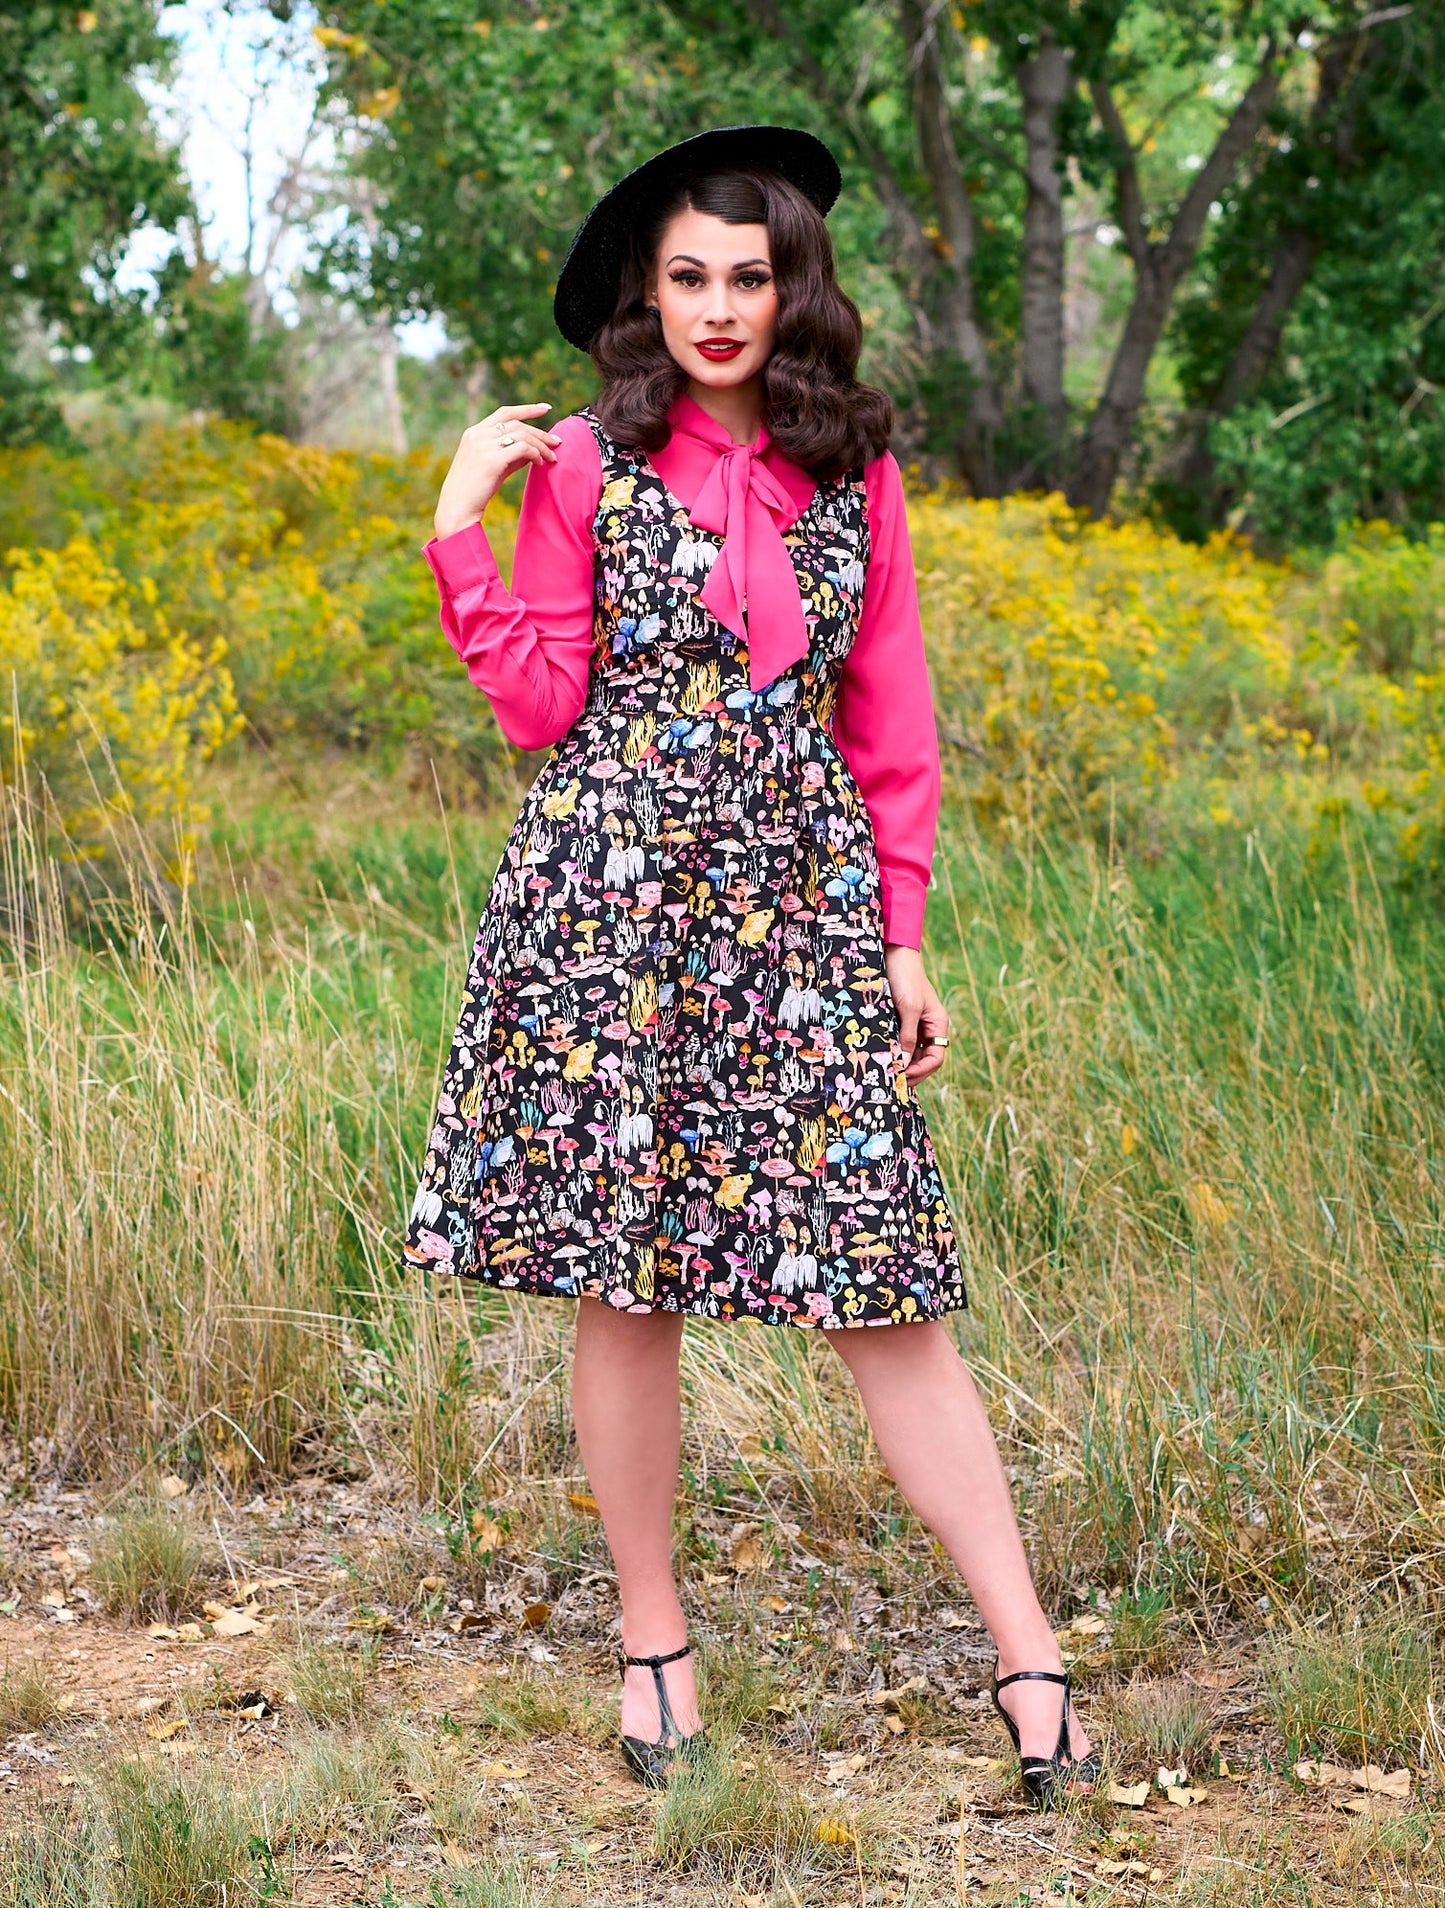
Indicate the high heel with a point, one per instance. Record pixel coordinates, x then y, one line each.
1048 1781
651 1761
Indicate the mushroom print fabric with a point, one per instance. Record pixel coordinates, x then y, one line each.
677 1081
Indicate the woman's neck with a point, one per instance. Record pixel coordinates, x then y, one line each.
737 407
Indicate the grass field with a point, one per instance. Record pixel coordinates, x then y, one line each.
1191 1128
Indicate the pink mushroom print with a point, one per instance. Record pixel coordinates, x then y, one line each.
676 1009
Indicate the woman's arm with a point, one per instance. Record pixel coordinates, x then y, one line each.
528 649
883 721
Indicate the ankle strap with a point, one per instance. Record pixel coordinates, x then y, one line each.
656 1662
1038 1676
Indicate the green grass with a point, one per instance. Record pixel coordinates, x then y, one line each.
1168 1722
330 1684
1357 1689
29 1698
179 1842
148 1563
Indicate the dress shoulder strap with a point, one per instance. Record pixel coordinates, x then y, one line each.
610 451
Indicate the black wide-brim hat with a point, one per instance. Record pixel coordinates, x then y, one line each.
588 282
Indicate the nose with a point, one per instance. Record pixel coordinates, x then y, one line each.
720 305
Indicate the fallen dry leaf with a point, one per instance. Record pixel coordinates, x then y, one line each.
895 1725
584 1501
778 1605
163 1633
374 1622
505 1771
891 1698
190 1633
746 1552
535 1615
253 1588
1184 1798
487 1533
468 1620
836 1834
173 1486
1131 1795
235 1623
162 1731
1212 1678
1371 1778
843 1642
148 1705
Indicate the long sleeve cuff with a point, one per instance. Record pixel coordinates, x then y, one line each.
462 561
905 902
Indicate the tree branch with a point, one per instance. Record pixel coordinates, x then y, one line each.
907 226
1126 174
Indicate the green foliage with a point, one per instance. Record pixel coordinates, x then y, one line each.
1346 421
81 169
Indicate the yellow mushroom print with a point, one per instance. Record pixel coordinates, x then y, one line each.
675 1082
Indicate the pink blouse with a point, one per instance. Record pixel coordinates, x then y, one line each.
529 648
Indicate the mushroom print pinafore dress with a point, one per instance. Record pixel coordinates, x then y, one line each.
677 1081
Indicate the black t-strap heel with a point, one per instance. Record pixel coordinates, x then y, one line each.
1048 1780
651 1761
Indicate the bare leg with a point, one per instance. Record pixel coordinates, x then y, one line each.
935 1437
628 1414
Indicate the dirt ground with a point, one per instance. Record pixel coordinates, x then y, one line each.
872 1709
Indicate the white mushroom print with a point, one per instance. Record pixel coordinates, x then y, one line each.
676 1082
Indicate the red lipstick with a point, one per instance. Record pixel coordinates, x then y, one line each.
719 350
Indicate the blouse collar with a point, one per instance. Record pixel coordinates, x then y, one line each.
750 494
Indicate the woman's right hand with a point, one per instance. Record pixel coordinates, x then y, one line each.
484 461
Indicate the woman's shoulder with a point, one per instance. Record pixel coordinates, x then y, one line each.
883 483
566 488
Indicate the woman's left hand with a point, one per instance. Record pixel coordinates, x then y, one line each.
920 1012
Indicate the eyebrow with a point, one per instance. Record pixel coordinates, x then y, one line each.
688 259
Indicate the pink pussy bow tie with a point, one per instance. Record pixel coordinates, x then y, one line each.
741 500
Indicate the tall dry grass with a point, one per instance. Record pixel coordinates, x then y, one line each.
1190 1124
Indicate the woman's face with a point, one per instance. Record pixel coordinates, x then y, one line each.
713 284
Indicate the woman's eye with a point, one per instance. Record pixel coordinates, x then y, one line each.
686 278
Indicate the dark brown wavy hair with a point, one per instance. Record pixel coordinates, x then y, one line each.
815 409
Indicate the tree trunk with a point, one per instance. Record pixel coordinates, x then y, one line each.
1295 254
388 352
1158 268
958 318
1045 81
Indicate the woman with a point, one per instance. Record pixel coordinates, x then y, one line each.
682 1081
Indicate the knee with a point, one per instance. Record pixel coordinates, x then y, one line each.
885 1347
637 1337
